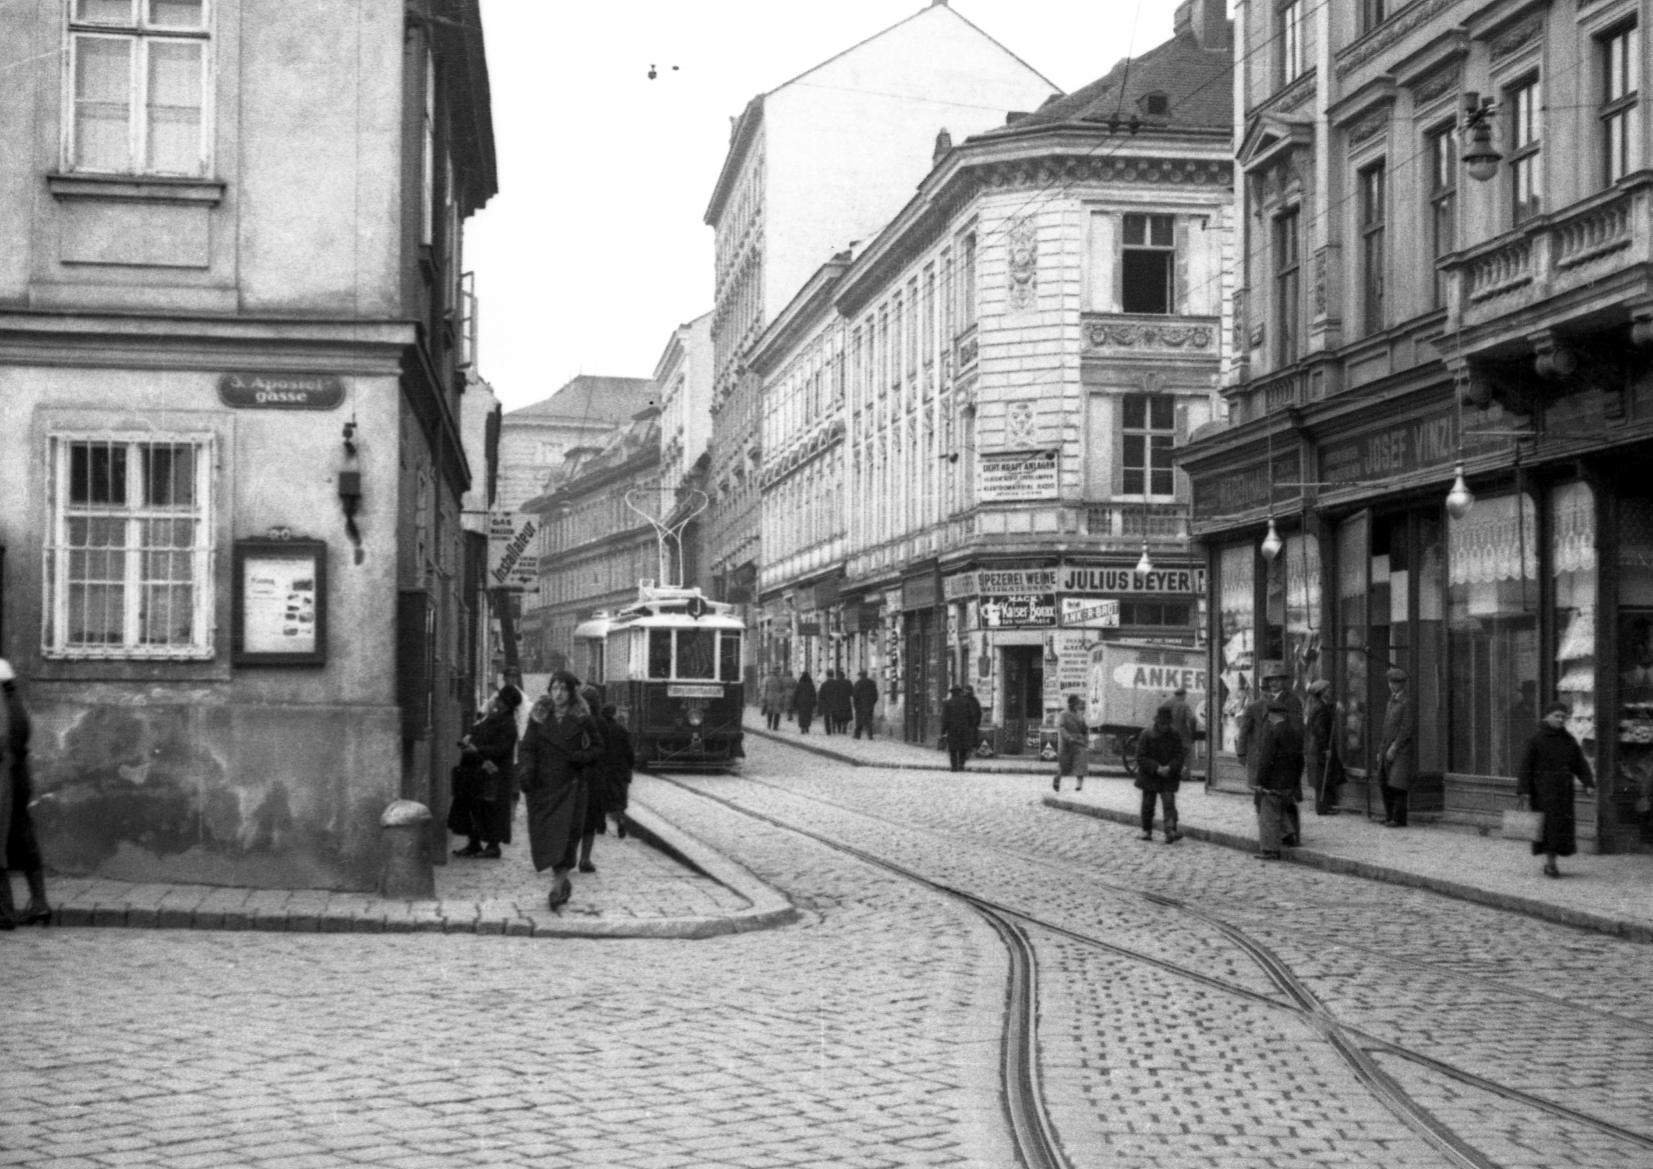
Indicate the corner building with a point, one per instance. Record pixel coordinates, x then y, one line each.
1445 262
231 315
991 400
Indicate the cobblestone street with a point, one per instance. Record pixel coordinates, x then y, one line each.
868 1032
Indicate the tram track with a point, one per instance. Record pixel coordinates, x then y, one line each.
1032 1128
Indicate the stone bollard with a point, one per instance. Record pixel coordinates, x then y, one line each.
407 870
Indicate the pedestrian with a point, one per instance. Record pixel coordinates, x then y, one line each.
974 704
1545 784
1254 721
562 738
825 698
19 850
1320 762
1183 722
865 701
1072 744
957 729
1279 776
1395 751
843 703
773 699
803 700
624 762
601 778
482 797
789 695
1160 761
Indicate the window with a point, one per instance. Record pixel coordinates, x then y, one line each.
967 283
138 86
1171 613
427 155
1443 201
729 657
1620 108
1373 13
1288 290
660 653
1372 260
1148 433
1291 41
129 553
1526 181
695 653
1149 263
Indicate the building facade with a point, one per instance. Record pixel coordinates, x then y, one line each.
535 439
814 164
1445 282
991 405
594 546
684 375
230 311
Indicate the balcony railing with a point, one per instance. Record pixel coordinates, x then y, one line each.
1553 254
1131 523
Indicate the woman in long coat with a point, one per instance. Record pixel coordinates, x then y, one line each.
18 847
1551 759
562 738
804 700
1072 745
605 791
482 788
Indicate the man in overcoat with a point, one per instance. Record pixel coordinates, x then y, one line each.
957 729
1279 778
866 701
1255 720
1395 750
1159 769
773 700
1182 722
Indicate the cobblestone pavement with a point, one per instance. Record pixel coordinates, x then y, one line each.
866 1034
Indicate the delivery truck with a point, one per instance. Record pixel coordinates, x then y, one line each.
1129 679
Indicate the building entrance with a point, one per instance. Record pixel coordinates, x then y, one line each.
1024 697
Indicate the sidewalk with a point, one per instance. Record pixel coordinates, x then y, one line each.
888 752
1608 894
659 882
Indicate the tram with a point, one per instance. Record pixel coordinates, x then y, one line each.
670 664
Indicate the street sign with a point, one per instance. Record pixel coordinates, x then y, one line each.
510 564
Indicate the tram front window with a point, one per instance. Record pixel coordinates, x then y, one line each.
729 663
696 653
660 653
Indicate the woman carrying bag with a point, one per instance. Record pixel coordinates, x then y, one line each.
1551 759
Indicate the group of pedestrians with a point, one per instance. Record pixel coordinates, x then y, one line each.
573 767
839 702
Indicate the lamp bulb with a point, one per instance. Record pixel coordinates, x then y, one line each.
1460 499
1271 542
1144 564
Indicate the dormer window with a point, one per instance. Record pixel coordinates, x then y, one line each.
1156 105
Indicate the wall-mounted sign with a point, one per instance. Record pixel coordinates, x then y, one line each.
1252 487
1076 578
281 391
1022 475
1090 613
809 629
510 564
1018 612
279 608
1398 449
919 592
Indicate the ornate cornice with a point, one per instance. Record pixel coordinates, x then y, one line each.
1046 172
1390 31
1129 335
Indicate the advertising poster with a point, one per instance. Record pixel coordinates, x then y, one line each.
279 605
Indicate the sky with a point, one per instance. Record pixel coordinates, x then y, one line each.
595 248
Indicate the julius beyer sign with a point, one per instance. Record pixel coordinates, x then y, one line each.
280 391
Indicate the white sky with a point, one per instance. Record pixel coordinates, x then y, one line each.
594 249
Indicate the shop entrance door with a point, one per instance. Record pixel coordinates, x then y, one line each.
1024 696
919 682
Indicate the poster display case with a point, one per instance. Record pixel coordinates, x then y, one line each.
280 603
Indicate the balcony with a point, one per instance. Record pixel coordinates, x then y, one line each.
1134 335
1127 525
1568 252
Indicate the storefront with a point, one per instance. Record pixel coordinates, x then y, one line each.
924 674
1495 600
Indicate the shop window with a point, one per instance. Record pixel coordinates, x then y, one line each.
1170 614
1430 674
129 549
1620 101
1302 571
1237 584
1633 786
1443 206
1573 565
1147 435
1526 178
138 87
1148 264
1352 540
1492 634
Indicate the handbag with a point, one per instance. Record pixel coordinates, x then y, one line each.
1522 824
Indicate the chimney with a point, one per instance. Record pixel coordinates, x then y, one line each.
944 143
1210 21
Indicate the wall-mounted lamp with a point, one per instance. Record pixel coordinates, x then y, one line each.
350 500
350 438
1460 499
1271 542
1479 158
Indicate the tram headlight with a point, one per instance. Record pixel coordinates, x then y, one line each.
696 716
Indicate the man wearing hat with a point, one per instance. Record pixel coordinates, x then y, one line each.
1320 762
1395 750
957 728
1255 720
1279 777
1182 721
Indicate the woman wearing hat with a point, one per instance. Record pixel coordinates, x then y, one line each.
563 737
482 796
1551 759
1319 755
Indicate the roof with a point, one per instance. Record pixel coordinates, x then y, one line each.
1197 81
590 398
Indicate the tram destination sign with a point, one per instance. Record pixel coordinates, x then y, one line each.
281 391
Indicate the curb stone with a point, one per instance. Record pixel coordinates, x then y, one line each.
988 767
366 913
1559 914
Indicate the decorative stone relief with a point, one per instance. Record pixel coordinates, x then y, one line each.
1320 282
1516 38
1388 33
1435 85
1239 320
1019 430
1369 126
1022 264
1099 334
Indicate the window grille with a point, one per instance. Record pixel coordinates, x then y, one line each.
128 560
